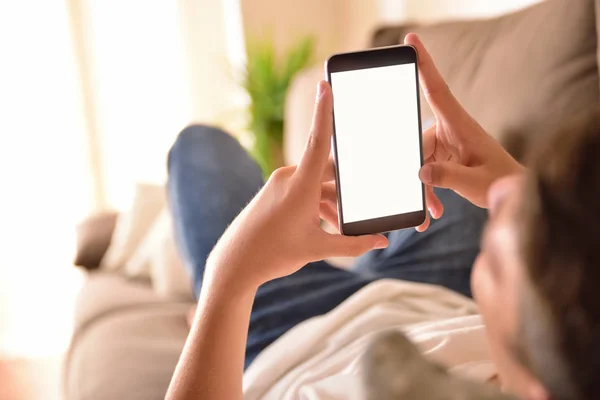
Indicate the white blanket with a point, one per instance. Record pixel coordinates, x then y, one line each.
319 359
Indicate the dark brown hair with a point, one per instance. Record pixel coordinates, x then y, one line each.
560 242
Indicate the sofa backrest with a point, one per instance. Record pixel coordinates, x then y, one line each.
519 74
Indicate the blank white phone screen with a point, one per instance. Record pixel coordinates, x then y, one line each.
377 136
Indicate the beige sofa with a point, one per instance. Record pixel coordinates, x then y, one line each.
519 75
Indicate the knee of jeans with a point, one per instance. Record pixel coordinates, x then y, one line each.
197 140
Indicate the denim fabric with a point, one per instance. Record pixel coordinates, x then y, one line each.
211 179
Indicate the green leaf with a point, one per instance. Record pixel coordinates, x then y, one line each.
298 58
266 81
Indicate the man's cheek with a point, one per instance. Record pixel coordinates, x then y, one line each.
483 286
476 277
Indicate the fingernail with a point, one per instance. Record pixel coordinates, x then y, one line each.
425 174
320 89
381 245
433 214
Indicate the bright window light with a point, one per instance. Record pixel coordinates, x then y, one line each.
44 175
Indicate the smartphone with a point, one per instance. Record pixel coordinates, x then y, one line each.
377 145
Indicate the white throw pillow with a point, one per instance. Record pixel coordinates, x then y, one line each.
133 225
158 258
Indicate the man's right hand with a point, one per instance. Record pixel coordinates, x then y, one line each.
458 154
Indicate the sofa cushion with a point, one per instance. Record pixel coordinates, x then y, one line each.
519 74
158 254
104 293
133 225
126 340
127 354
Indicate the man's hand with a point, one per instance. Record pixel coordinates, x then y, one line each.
279 231
457 152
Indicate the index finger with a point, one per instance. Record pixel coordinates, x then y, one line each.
316 154
436 90
429 142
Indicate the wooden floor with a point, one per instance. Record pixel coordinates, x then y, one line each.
30 379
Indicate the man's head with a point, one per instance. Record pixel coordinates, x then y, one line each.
537 279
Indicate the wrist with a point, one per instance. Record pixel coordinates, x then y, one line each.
218 296
229 278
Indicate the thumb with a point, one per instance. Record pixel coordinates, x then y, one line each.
446 174
350 246
469 182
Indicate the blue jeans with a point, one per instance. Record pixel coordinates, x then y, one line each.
212 178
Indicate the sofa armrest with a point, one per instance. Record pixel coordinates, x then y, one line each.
299 107
94 235
390 35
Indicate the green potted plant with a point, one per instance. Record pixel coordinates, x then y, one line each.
266 81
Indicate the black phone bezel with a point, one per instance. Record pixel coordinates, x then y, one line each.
373 58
